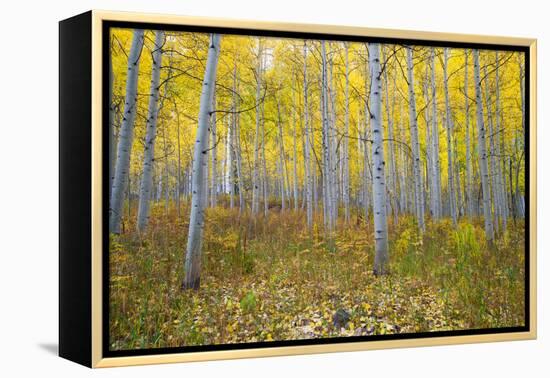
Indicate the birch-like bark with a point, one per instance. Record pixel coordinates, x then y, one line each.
282 156
381 255
112 145
327 166
436 172
255 174
126 134
469 176
493 175
150 136
417 173
429 179
482 152
196 220
499 135
214 157
391 174
307 153
346 185
449 129
295 150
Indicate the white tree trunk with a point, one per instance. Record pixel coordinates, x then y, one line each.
492 158
417 173
307 153
327 150
126 134
381 257
196 220
482 152
256 163
150 136
499 135
435 145
346 185
392 185
469 176
214 158
295 156
449 128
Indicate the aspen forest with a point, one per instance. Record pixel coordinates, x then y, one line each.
272 189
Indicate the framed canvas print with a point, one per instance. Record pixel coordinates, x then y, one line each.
235 189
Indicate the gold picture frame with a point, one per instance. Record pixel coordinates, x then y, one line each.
91 24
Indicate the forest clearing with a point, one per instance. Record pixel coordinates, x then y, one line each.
271 189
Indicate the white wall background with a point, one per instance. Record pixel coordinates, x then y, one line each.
29 174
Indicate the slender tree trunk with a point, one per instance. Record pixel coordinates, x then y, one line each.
449 124
196 221
419 196
346 186
492 155
327 166
469 183
150 136
295 150
112 145
126 134
429 181
436 170
255 175
214 157
178 194
499 131
381 257
389 114
482 152
308 138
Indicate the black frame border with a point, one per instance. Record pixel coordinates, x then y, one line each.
106 27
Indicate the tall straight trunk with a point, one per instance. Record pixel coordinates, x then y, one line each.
282 168
402 159
429 179
492 155
166 172
214 157
179 179
333 178
307 154
449 128
499 135
389 114
458 186
238 162
345 160
295 150
196 220
126 134
418 186
327 166
469 183
381 254
111 130
519 139
436 170
232 131
265 182
256 163
367 151
482 152
150 136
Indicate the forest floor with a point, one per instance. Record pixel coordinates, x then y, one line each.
271 279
